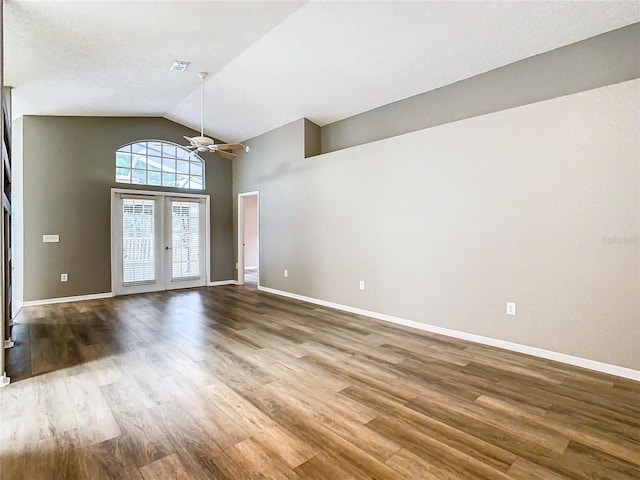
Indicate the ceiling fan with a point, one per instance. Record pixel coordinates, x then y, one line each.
206 144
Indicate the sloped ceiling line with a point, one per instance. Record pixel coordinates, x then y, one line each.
272 62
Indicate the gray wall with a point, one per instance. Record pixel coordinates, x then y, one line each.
69 170
606 59
312 139
272 167
538 205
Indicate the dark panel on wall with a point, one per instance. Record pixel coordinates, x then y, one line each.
312 141
69 170
606 59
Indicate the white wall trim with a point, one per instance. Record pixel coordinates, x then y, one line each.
222 282
4 380
16 308
77 298
153 193
493 342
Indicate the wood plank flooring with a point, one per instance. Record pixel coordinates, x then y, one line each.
230 383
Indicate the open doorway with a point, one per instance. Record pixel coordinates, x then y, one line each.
249 238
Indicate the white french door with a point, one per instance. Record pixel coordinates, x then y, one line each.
139 237
159 242
184 243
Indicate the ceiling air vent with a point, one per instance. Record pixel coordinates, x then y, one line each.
178 66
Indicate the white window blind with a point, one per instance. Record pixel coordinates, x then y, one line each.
138 242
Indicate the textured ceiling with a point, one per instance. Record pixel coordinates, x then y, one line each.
271 62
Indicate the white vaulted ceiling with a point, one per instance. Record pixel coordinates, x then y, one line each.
271 62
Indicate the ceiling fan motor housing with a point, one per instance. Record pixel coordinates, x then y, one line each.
203 140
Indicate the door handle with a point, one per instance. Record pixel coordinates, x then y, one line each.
167 248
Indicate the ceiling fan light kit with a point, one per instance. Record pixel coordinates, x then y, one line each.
206 144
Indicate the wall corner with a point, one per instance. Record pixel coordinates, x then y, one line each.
312 139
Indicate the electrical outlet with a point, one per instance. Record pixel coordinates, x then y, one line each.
237 266
64 277
511 308
361 284
286 273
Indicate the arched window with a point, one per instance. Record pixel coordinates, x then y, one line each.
158 163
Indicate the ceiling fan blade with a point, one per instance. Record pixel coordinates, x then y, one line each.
223 154
191 141
229 146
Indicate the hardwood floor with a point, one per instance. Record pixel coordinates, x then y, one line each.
230 383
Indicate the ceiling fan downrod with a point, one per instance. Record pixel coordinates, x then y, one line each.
202 75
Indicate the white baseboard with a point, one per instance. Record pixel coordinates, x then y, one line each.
4 380
222 282
493 342
77 298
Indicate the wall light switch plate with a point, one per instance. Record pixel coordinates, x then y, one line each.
50 238
511 308
361 284
64 277
286 273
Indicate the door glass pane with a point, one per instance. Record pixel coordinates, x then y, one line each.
185 236
139 147
195 182
182 181
169 179
123 160
139 161
183 153
154 163
139 176
168 165
123 175
154 148
154 178
196 168
182 166
138 252
168 150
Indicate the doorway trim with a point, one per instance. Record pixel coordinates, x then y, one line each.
207 225
240 263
